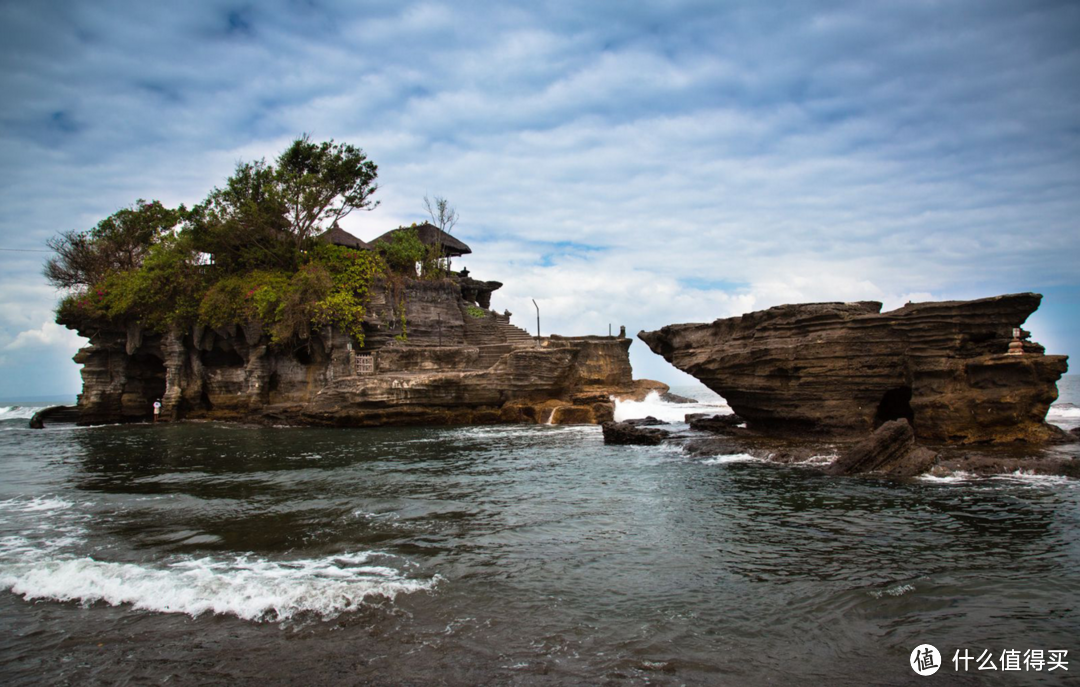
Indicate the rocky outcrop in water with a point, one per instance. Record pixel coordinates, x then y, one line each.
953 369
445 359
628 434
889 450
54 415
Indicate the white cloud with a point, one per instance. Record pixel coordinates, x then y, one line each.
721 158
49 334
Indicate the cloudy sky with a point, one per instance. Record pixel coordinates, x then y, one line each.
621 163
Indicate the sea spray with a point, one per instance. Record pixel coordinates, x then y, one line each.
668 412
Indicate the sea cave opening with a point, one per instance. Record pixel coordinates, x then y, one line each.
218 357
895 404
146 378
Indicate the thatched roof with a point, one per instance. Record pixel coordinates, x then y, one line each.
340 237
430 235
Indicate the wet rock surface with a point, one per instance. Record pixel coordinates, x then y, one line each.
54 415
648 421
846 368
723 424
626 434
890 450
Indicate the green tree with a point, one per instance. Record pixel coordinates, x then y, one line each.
118 243
243 225
266 215
321 183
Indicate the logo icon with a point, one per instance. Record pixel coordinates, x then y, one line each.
925 659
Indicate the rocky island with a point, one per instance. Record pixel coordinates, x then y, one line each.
256 305
961 372
950 387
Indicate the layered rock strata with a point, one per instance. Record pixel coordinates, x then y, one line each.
443 359
890 451
847 368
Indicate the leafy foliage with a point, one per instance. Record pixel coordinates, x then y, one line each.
243 224
322 183
118 242
404 251
352 274
149 263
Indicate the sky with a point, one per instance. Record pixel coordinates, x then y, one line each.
634 164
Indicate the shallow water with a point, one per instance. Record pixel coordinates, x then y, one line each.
522 554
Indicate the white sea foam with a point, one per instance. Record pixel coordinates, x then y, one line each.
816 461
17 412
1070 412
35 505
503 432
1021 476
1034 479
733 458
668 412
898 590
248 587
959 476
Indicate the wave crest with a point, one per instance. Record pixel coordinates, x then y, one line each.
249 588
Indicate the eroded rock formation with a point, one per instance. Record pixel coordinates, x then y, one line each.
629 434
890 450
458 363
848 368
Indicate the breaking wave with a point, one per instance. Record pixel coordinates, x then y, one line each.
250 588
668 412
17 412
46 560
732 458
1063 413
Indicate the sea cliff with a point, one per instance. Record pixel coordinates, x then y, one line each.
459 362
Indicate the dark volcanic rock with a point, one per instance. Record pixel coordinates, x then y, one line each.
626 434
890 450
54 414
721 424
989 465
648 421
1075 433
668 397
847 368
720 446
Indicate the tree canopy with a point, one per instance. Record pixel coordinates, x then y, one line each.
247 252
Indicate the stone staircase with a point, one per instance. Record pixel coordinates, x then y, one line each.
489 355
515 336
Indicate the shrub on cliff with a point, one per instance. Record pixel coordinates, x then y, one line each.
403 251
164 289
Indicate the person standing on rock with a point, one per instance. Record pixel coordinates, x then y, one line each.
157 409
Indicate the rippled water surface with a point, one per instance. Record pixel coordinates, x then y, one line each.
207 552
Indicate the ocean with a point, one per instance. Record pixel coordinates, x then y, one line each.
200 553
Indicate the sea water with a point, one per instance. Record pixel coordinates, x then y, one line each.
206 552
